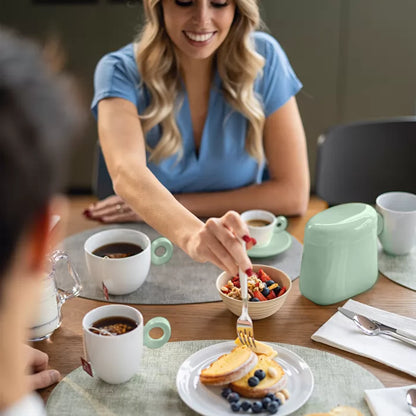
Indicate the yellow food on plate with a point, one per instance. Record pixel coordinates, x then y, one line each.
339 411
274 380
229 367
260 349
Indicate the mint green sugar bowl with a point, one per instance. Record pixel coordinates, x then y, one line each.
339 257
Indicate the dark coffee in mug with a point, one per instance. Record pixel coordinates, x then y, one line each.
117 250
258 223
113 325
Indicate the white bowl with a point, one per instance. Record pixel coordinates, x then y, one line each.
262 309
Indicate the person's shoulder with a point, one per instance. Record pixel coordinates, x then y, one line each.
122 58
268 47
265 43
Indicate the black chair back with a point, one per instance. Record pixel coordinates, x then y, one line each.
359 161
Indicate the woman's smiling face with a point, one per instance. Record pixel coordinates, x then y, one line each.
197 28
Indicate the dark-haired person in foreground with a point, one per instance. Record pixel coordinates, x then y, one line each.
37 117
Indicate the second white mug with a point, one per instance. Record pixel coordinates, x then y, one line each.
398 210
124 275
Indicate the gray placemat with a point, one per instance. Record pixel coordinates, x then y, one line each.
153 391
180 281
399 269
289 261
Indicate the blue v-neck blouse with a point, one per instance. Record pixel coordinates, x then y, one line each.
222 162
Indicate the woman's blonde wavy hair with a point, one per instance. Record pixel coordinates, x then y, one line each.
238 65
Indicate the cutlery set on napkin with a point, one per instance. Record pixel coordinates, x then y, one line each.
350 329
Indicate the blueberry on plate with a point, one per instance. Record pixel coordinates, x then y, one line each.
260 374
225 392
257 407
235 406
271 396
253 299
245 405
270 282
272 408
265 402
233 397
253 381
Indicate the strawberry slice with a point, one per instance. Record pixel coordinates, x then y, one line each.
271 295
257 294
282 290
263 276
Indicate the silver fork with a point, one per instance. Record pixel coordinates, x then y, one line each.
245 331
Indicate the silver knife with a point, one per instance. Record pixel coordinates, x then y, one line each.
383 327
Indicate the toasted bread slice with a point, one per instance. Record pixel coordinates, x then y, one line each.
274 381
229 367
339 411
345 411
260 349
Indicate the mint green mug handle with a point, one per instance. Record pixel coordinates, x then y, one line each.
165 257
380 223
157 322
281 224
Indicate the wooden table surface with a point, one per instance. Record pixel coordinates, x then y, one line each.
293 324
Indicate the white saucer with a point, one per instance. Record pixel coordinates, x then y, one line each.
279 243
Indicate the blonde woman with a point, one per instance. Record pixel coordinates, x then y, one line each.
188 115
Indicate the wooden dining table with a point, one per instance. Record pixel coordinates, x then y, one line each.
293 324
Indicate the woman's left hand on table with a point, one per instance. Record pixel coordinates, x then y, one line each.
112 209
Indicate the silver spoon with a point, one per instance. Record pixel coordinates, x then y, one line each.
411 400
372 328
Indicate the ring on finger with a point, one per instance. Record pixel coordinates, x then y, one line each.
119 208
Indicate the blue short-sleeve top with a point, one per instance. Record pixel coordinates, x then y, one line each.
222 162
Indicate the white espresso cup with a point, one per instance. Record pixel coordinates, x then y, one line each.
262 224
116 359
124 275
398 210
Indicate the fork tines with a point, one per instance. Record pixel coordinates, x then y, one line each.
246 338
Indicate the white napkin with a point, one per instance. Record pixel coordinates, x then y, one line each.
341 332
388 402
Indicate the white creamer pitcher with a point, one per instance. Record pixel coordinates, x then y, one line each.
48 316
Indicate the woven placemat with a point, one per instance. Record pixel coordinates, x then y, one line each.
180 281
153 391
399 269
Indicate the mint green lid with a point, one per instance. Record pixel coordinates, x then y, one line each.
343 223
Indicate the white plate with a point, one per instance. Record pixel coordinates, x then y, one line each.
208 400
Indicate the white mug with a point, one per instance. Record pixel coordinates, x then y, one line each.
264 233
116 359
124 275
398 210
48 315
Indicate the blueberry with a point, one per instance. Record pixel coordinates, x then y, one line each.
278 401
270 282
254 300
225 392
235 406
233 397
257 407
265 402
253 381
272 408
277 290
271 396
245 405
265 291
260 374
